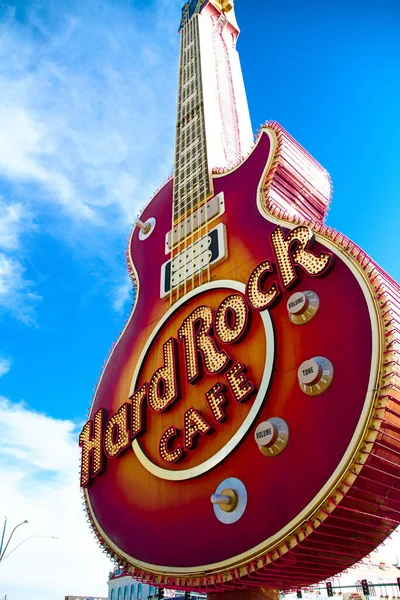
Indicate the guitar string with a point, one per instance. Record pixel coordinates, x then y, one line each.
194 39
175 199
182 196
183 145
203 229
209 169
210 186
172 242
200 159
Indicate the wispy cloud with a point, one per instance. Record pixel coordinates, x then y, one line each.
16 295
5 366
39 474
85 92
122 294
14 219
81 98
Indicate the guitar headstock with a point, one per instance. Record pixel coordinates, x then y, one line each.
225 7
189 9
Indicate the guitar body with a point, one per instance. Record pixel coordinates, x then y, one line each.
332 493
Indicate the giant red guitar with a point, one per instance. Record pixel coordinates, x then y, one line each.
246 427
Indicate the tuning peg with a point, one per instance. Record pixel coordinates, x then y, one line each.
145 227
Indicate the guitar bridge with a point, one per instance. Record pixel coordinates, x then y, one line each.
208 250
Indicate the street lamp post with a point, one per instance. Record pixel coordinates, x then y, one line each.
53 537
4 531
2 552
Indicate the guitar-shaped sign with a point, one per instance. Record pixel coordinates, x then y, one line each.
246 426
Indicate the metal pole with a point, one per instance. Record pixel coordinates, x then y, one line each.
9 539
52 537
2 537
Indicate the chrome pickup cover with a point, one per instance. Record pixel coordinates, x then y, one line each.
207 250
213 208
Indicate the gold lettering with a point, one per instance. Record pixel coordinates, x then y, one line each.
239 384
163 386
91 442
195 425
137 413
294 251
116 433
256 296
231 319
215 399
170 456
194 332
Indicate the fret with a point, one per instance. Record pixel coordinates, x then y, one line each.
186 150
187 167
189 98
196 158
192 120
190 45
192 175
185 202
187 110
191 182
188 94
198 187
188 209
191 80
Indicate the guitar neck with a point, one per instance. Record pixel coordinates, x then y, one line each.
192 176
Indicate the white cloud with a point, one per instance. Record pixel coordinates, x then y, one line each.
81 94
16 296
14 220
85 93
40 483
122 294
5 366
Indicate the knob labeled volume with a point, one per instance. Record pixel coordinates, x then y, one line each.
302 307
272 436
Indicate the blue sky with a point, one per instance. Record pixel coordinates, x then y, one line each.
87 109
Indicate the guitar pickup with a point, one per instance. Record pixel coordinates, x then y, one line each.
208 250
205 213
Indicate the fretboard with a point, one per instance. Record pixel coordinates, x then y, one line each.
192 179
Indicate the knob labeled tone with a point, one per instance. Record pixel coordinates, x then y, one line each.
272 436
302 307
315 375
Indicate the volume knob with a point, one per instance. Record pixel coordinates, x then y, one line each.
272 436
302 307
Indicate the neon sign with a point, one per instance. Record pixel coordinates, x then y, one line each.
200 338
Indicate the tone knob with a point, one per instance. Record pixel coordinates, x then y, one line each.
302 307
272 436
315 375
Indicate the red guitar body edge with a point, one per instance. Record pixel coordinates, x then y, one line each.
333 495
